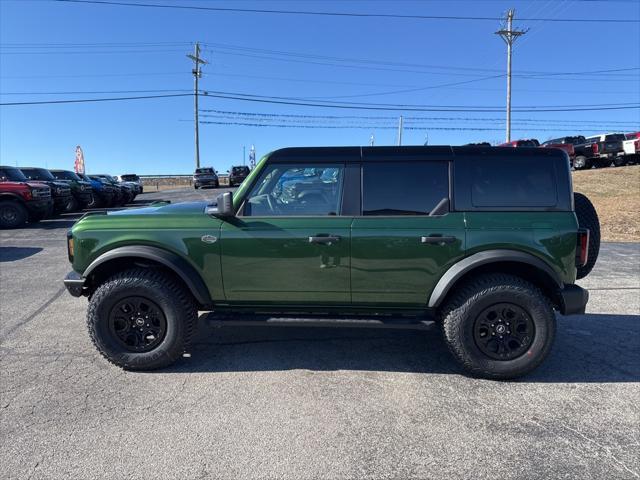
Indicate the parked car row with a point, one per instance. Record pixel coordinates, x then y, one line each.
30 194
208 177
597 151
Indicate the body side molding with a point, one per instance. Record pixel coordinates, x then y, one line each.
467 264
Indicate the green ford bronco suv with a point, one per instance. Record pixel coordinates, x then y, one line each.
485 242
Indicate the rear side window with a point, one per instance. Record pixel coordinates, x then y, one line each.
511 182
403 188
614 138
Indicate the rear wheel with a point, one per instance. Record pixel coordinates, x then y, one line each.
141 319
498 326
581 163
588 218
12 214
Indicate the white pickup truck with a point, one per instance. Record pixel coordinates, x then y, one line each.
631 147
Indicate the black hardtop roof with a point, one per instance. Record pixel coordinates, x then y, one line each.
404 153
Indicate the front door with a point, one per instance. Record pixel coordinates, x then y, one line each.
289 243
407 236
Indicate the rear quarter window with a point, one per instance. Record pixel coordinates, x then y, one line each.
504 183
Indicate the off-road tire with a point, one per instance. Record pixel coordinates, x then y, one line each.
175 301
12 214
588 218
459 313
73 205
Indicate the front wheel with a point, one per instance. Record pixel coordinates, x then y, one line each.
498 326
141 319
12 214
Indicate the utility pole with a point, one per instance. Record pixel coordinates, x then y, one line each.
509 35
197 73
252 157
244 155
400 130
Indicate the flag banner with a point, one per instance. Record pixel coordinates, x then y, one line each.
79 165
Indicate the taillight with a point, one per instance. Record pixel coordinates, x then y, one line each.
637 145
594 148
582 251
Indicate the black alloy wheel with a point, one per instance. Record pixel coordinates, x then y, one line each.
503 331
138 324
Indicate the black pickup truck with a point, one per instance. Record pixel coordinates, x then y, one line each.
584 153
609 148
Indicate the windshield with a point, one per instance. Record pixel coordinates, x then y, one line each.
237 170
65 175
12 174
37 174
130 178
204 170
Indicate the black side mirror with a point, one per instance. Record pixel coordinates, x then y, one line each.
225 206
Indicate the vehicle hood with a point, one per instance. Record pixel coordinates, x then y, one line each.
161 208
37 184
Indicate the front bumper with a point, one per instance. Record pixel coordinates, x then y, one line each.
39 206
74 283
573 300
84 197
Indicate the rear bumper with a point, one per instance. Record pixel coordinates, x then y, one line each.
574 300
74 283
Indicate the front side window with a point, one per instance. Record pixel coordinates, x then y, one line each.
12 174
296 190
403 188
65 175
37 174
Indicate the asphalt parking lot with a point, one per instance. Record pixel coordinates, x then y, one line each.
308 403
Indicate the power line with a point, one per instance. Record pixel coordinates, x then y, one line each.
261 115
91 100
341 14
85 92
367 127
383 107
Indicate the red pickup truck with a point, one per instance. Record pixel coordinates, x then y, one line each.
22 202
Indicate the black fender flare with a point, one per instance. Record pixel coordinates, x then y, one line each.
11 196
172 261
467 264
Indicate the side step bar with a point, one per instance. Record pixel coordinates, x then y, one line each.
221 319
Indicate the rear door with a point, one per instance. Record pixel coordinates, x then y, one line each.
290 243
406 236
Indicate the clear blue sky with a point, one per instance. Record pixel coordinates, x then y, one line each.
49 49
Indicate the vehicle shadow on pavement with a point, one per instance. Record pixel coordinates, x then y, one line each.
589 348
11 254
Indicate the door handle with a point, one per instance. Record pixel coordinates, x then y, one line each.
437 240
324 239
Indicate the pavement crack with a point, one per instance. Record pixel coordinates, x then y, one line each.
30 317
